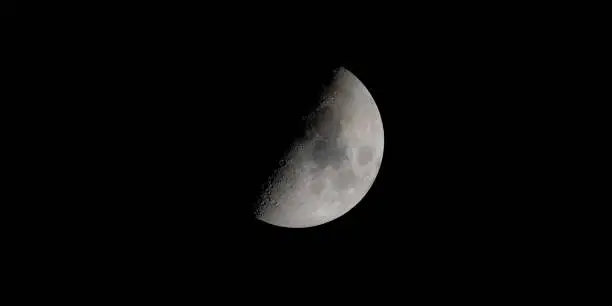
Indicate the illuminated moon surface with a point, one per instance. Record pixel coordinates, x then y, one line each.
329 170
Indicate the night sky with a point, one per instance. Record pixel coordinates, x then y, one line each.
451 167
7 8
182 120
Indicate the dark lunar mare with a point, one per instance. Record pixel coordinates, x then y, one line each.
317 142
325 128
365 155
329 153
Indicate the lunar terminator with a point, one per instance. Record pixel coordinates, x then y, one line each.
329 170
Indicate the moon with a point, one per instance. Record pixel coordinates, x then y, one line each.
329 170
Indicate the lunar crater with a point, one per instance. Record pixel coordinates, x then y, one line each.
317 186
346 178
365 155
335 162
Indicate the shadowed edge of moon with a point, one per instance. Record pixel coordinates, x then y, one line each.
327 128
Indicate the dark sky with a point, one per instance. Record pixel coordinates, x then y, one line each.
214 127
190 116
7 8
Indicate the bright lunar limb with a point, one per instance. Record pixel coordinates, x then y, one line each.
327 172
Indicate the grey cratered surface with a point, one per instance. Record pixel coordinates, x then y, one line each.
328 171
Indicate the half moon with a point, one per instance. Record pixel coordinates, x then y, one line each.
329 170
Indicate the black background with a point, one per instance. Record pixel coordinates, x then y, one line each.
176 122
7 8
